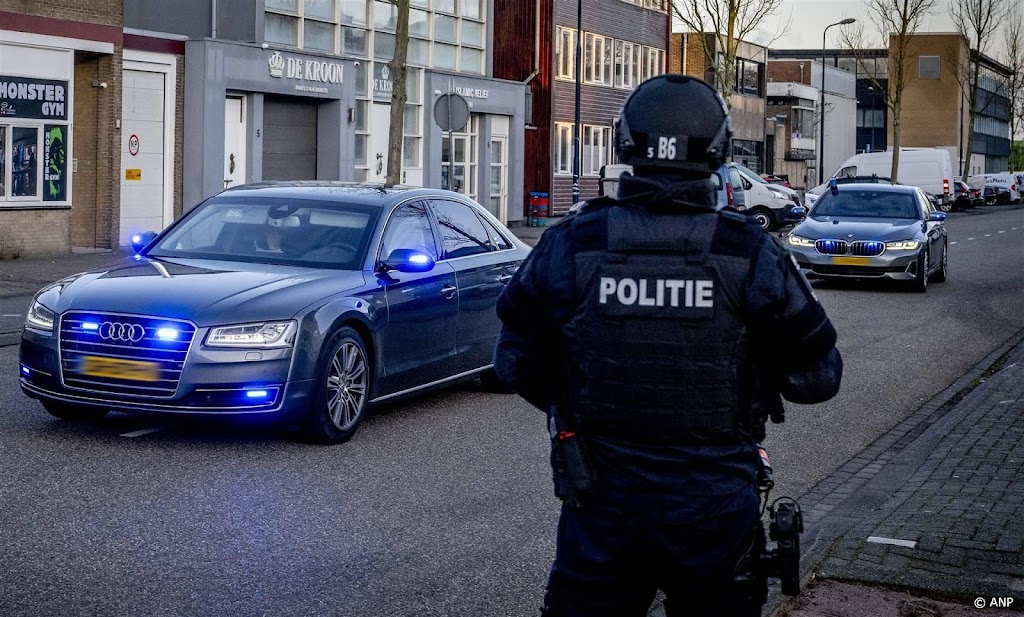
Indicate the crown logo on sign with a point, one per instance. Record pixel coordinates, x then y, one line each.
276 63
385 72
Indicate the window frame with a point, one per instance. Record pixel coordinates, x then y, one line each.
432 202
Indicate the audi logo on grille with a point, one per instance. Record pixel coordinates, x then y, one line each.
122 332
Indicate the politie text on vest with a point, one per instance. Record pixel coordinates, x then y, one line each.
666 292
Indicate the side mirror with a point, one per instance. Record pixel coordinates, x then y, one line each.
409 260
937 217
141 240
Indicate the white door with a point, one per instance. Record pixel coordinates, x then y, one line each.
498 204
142 154
377 156
234 141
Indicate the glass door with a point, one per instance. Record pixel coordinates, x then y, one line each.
499 179
460 176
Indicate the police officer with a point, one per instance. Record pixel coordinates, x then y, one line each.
663 332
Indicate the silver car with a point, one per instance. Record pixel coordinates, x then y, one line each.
873 231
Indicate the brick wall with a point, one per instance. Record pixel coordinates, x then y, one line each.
179 139
103 12
789 71
83 181
27 233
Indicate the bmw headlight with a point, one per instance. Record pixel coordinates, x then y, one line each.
903 245
800 241
39 317
262 335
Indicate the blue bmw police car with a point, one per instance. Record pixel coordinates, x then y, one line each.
299 300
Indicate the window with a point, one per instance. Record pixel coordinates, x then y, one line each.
563 148
871 118
565 53
498 241
24 157
461 230
928 67
748 77
596 145
409 228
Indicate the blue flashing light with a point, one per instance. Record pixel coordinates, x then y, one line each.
419 258
167 334
256 394
90 326
26 371
136 239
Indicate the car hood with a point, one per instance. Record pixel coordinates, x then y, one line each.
784 191
851 228
205 292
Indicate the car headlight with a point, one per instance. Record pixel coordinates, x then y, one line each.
39 317
800 241
263 335
902 245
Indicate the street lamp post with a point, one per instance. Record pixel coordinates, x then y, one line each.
871 93
821 141
576 163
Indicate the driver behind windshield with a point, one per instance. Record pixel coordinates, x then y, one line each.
281 230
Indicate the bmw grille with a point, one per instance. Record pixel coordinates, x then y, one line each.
860 248
123 354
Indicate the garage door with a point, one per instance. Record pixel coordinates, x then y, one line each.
142 154
289 140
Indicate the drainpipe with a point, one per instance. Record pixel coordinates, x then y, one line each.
213 19
536 43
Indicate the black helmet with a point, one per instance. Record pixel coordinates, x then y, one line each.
676 122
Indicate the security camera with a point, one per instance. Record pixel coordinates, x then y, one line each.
357 63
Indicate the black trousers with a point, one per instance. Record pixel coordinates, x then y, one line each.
618 550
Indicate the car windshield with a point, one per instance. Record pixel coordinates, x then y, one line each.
751 175
307 233
869 204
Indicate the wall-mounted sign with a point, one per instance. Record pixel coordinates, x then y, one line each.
55 159
306 69
472 93
41 99
383 84
133 145
133 174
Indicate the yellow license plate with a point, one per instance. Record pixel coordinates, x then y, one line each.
851 261
116 368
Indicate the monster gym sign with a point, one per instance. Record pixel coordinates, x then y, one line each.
308 71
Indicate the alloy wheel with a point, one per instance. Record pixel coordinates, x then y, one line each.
346 386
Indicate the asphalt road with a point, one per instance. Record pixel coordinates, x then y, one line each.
439 506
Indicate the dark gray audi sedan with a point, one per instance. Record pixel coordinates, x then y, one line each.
304 301
873 231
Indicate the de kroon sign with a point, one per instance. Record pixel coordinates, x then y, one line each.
308 70
37 99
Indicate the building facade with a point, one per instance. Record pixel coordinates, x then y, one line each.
934 113
748 103
624 42
796 145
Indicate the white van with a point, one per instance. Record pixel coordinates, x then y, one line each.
929 169
1007 181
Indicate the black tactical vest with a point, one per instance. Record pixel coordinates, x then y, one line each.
660 352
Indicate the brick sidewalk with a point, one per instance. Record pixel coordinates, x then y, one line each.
941 496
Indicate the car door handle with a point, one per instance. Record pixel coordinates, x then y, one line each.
448 291
504 278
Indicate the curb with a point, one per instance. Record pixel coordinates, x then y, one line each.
825 497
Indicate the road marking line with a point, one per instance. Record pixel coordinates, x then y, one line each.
145 431
1011 401
12 315
988 235
892 541
1002 232
970 238
952 243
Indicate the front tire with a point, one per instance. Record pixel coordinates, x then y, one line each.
74 413
343 389
765 218
940 274
920 283
948 206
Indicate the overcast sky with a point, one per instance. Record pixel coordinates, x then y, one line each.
809 18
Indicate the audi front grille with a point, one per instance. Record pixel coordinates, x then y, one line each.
126 355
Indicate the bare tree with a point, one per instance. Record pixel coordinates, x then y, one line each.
399 93
720 26
1013 55
976 21
897 21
